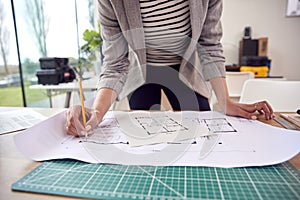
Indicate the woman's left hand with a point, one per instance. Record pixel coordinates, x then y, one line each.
248 110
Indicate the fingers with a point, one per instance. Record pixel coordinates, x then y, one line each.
265 108
246 114
248 110
70 130
240 110
94 119
74 123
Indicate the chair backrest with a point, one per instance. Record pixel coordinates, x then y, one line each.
284 96
235 82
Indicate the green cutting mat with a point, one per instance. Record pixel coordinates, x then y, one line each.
78 179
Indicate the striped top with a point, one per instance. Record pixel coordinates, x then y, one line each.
167 29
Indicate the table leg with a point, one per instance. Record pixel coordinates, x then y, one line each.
49 94
68 98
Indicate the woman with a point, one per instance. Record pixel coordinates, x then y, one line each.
170 45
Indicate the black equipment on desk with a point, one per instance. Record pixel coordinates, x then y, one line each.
254 61
54 71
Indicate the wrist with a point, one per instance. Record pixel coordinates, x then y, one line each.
224 103
98 114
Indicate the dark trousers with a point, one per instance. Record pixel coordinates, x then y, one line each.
181 97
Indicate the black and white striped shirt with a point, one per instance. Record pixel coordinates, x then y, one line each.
167 30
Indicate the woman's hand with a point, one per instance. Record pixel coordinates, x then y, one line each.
232 108
74 123
74 126
248 110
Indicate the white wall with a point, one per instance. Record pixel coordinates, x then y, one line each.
267 19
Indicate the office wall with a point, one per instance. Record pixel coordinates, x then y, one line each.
267 19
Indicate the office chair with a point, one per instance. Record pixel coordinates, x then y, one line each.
284 96
235 82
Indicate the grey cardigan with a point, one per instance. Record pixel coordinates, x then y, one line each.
124 64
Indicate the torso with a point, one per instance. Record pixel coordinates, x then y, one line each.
167 29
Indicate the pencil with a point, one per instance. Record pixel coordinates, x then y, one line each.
82 104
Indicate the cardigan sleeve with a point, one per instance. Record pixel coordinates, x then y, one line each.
115 49
209 46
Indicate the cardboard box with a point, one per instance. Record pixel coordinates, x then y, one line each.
263 46
253 47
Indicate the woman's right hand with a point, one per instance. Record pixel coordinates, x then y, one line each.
74 123
74 126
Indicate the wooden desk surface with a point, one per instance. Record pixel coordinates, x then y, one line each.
296 160
14 165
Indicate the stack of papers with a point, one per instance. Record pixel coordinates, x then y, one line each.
20 119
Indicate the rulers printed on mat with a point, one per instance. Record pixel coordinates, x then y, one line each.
105 181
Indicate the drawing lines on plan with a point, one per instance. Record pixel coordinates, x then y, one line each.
107 132
160 125
216 125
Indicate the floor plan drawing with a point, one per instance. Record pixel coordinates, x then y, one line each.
143 128
216 125
107 132
161 125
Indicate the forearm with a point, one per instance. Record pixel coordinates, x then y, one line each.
103 101
233 108
220 88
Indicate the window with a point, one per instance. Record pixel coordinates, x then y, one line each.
45 28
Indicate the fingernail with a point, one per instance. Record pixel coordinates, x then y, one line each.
83 132
88 127
273 115
253 117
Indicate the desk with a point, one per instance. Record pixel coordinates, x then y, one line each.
14 165
87 85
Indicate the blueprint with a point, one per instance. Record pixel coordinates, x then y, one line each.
226 141
144 128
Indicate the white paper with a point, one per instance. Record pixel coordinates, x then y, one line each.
240 143
144 128
15 120
48 140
